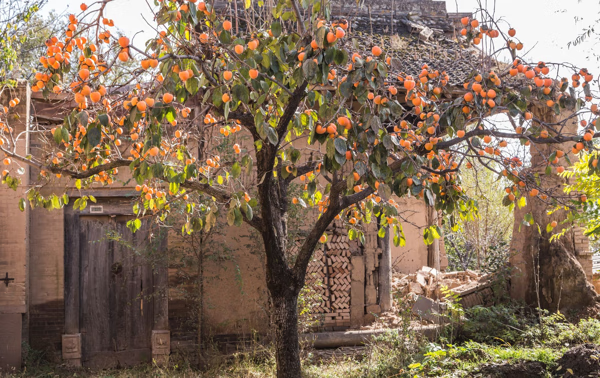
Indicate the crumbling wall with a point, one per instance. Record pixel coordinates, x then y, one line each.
549 274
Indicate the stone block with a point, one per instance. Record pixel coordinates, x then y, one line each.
71 349
429 270
416 288
374 309
430 310
368 319
421 280
161 342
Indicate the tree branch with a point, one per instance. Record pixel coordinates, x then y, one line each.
304 169
299 17
222 196
290 110
477 132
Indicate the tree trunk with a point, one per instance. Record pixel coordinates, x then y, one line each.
287 347
200 314
385 272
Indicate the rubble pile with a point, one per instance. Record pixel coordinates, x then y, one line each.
428 282
422 293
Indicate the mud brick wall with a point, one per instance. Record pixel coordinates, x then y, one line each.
13 223
14 257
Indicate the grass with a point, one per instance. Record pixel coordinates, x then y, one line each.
498 335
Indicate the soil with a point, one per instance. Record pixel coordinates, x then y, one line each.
581 361
523 369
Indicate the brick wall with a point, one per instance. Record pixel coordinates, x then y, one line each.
46 324
46 279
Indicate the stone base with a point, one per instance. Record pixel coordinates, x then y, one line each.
71 349
161 346
160 359
73 362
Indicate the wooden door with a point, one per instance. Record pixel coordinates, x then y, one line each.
116 287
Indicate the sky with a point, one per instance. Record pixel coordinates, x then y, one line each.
544 25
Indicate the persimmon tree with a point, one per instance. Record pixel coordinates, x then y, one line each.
216 116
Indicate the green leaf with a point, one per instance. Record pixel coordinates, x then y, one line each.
22 204
346 88
320 38
276 29
58 135
236 170
272 135
94 136
241 93
374 124
309 68
352 234
192 85
340 145
247 209
83 118
330 149
103 118
399 239
231 217
170 114
295 155
134 225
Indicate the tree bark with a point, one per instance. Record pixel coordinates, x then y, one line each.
200 315
385 272
287 347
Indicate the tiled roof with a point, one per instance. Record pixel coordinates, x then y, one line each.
411 54
416 32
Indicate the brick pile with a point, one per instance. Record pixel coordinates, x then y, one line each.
329 276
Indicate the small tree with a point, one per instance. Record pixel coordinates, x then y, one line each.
367 134
16 32
481 243
584 181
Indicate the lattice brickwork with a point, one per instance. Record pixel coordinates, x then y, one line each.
329 275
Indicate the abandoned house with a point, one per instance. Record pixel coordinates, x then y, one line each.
78 285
